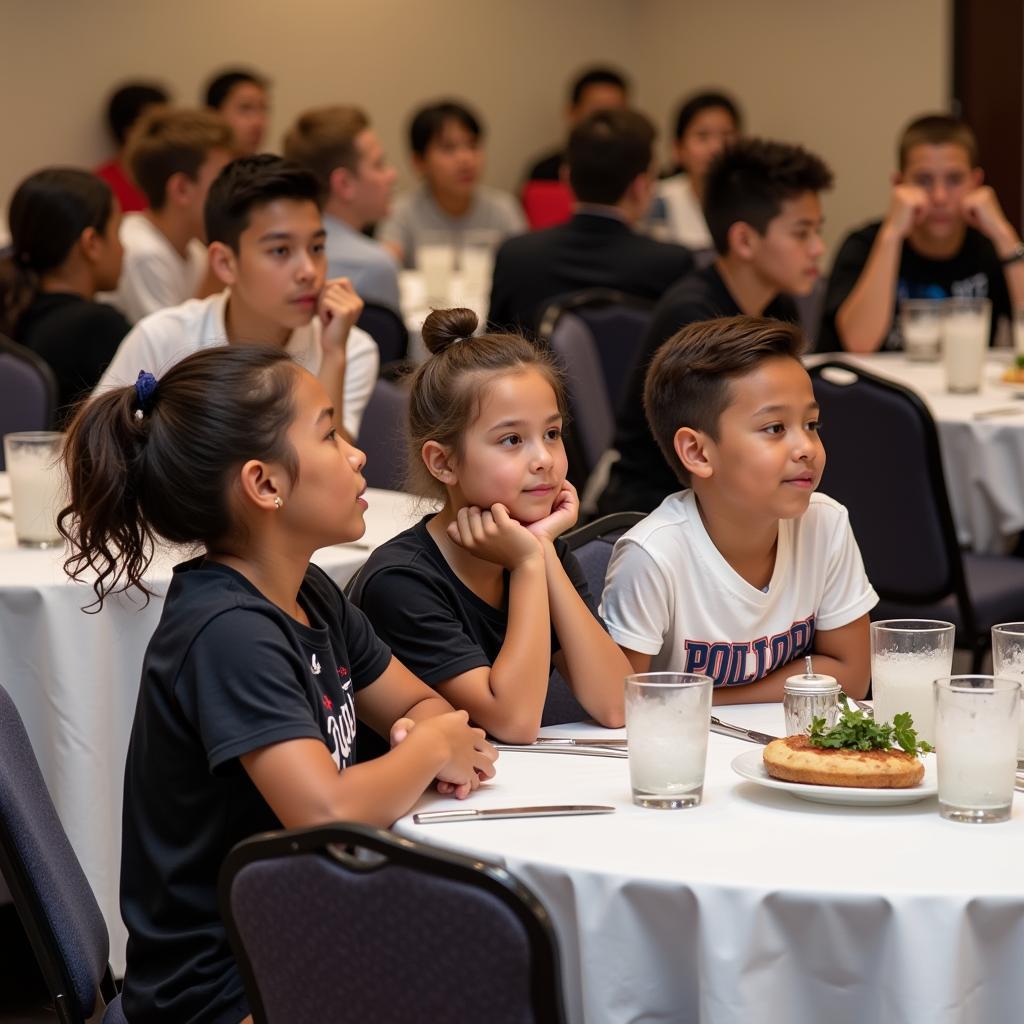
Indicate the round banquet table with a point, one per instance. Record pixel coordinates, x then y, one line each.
981 437
75 677
756 906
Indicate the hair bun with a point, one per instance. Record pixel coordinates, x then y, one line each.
444 327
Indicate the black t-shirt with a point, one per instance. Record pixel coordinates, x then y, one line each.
78 338
436 626
227 672
642 479
974 272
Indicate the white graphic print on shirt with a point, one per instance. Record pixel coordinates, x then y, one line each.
341 723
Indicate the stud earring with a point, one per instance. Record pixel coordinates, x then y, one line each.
278 503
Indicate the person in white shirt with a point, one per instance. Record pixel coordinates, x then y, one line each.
447 153
174 155
746 570
356 180
267 246
707 122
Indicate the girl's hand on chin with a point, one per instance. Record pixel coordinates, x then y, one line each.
493 535
564 513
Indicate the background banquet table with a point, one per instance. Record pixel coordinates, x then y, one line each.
74 678
757 906
983 458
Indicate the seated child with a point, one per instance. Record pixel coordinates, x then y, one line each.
242 98
251 684
447 153
945 234
480 598
174 155
267 246
65 248
746 570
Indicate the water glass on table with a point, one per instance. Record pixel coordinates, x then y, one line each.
921 323
37 485
1008 661
976 729
435 260
907 656
668 719
965 332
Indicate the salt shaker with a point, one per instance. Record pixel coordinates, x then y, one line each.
808 697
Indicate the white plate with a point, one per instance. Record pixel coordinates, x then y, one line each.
750 765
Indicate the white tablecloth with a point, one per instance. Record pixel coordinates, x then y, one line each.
757 906
74 678
983 458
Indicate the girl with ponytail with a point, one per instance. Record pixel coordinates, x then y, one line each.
253 679
65 248
483 597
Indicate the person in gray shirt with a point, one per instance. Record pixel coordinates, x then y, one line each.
338 145
447 153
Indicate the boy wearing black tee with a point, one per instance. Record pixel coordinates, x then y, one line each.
945 235
763 212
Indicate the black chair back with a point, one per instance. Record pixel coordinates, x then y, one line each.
28 391
53 897
348 923
382 434
592 545
885 466
388 329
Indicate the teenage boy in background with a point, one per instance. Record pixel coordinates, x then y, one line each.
242 98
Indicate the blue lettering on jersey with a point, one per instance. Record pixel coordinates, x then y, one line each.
739 664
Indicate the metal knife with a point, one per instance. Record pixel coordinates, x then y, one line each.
572 742
739 733
552 749
481 814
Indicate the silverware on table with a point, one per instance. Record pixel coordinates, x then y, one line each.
1002 410
737 732
572 741
550 748
483 813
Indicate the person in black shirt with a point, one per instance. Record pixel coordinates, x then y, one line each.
482 597
65 248
944 235
764 214
610 158
246 716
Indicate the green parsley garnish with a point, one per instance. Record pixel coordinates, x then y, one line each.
856 731
1019 362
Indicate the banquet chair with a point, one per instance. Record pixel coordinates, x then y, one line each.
388 330
53 898
382 435
348 923
885 466
617 322
28 391
592 545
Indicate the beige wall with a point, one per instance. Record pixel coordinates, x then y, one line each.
839 77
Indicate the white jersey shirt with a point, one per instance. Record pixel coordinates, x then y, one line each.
671 594
163 339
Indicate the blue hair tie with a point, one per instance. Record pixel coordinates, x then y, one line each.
145 389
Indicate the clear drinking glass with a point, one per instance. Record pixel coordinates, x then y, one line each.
668 718
1008 661
907 656
976 728
965 332
921 327
37 485
435 260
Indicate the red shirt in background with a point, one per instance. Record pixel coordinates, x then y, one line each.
114 174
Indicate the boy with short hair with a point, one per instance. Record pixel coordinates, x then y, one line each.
241 97
746 570
339 146
763 211
173 156
267 247
446 140
944 234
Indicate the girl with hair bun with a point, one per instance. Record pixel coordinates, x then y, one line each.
64 249
482 597
251 683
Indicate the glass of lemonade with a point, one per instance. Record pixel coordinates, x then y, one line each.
965 331
921 328
976 725
668 717
907 656
1008 661
37 485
